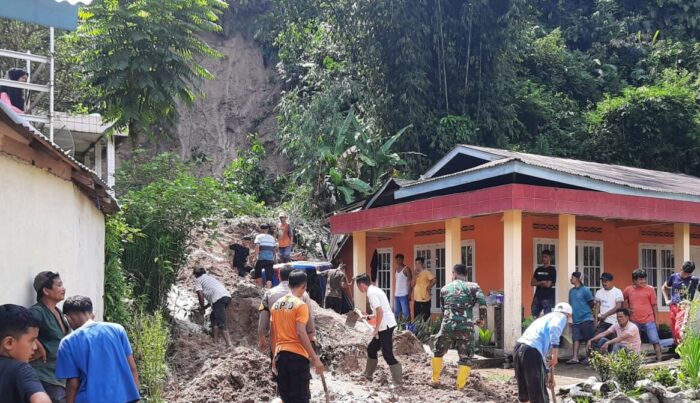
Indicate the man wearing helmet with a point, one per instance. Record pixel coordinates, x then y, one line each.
540 340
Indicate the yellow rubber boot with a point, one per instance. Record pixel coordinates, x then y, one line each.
462 374
437 367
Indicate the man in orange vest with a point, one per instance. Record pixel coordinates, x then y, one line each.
285 238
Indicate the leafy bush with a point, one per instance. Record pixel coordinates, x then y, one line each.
664 376
424 328
150 338
485 336
526 322
246 176
601 364
118 291
689 349
623 367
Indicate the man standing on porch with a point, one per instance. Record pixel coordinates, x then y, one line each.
607 301
544 279
683 286
640 298
423 282
404 275
581 300
457 329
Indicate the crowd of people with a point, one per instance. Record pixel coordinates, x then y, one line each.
606 322
52 355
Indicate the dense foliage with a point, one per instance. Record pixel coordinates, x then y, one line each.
144 55
612 81
165 202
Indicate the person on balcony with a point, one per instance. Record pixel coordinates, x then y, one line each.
14 97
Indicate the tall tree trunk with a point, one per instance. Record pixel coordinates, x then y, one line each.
469 51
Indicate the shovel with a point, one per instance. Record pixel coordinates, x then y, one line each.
317 349
355 315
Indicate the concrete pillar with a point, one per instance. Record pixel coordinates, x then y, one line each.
453 247
111 163
681 244
98 158
512 277
566 257
359 265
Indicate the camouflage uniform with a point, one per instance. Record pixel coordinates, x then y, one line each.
458 299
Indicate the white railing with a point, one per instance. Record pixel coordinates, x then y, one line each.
47 88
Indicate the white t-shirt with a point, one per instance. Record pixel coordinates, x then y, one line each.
607 300
401 283
377 299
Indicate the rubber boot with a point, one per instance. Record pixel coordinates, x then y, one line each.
462 374
371 366
396 375
437 368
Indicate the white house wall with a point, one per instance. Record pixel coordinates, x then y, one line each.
46 223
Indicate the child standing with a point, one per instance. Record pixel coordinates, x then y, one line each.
18 334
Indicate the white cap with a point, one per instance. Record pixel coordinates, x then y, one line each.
563 307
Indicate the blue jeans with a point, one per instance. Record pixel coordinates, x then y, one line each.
541 304
401 307
613 349
650 330
286 254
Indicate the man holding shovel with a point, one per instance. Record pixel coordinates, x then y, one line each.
292 348
383 330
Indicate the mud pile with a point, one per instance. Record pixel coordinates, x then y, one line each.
201 371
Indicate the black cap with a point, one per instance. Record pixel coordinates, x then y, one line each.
688 266
576 274
606 277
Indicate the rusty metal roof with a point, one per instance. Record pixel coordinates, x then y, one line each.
23 127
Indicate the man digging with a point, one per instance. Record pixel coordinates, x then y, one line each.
383 330
458 299
211 289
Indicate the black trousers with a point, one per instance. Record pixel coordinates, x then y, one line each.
293 377
529 371
334 303
218 312
385 342
421 310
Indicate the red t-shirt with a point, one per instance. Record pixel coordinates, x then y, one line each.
642 301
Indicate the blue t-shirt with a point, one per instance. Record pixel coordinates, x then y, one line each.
97 354
682 288
544 333
579 298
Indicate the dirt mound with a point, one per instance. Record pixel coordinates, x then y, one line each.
241 375
406 343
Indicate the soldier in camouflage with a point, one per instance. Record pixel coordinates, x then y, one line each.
458 300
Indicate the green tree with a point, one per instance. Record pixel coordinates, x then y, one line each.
144 55
652 127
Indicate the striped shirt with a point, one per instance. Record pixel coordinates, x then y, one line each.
212 288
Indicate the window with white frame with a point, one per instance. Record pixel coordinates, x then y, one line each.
384 270
468 258
589 261
657 261
434 255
